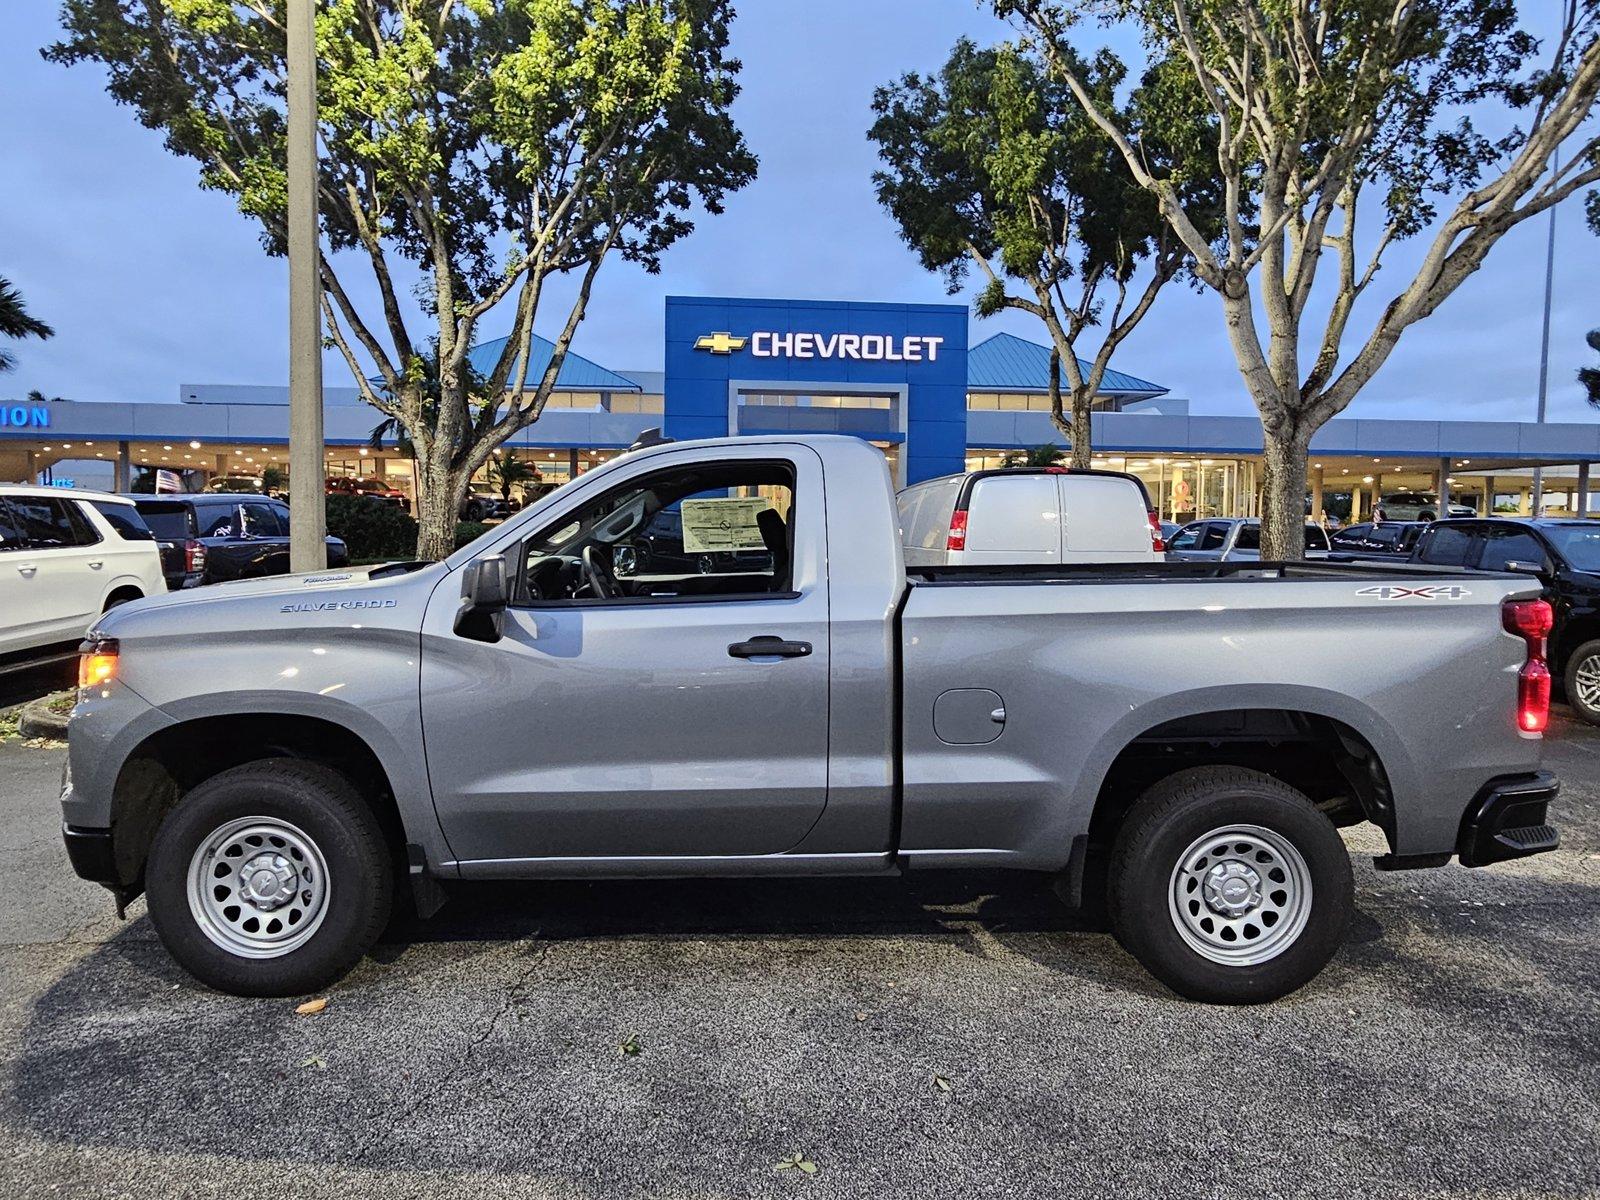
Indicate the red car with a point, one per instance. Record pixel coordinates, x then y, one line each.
375 488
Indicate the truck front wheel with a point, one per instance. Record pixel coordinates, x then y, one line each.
270 879
1229 886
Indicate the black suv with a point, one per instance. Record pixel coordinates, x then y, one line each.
1382 539
1565 555
211 538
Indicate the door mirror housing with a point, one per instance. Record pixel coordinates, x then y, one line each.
484 596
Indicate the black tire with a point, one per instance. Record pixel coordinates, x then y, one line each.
1589 653
317 801
122 597
1165 823
1425 516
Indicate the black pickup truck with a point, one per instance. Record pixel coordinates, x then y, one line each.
212 538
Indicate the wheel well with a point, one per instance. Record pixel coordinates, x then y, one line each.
1326 759
126 592
174 760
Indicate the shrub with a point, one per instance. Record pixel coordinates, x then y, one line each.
372 528
470 531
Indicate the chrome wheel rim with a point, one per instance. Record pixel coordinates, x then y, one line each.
1586 682
258 887
1240 895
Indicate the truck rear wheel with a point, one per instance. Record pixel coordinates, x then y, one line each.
1229 886
270 879
1582 679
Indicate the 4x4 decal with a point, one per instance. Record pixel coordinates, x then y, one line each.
1428 591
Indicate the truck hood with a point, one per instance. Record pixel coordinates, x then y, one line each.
355 586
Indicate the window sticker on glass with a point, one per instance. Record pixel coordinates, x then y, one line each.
722 524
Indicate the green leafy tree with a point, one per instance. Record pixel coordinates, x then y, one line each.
1429 118
488 146
991 164
16 323
1047 455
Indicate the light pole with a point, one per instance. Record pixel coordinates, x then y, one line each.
307 514
1544 341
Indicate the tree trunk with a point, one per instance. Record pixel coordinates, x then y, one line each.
1082 435
439 494
1283 496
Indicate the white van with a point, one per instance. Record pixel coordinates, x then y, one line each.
1028 515
65 557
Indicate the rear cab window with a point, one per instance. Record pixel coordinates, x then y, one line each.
10 529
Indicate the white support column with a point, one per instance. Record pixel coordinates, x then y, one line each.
1444 487
124 475
1582 508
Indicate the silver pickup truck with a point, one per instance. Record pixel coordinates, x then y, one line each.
773 694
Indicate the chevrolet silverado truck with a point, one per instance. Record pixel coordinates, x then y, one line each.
1176 743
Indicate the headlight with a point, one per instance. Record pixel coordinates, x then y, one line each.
97 663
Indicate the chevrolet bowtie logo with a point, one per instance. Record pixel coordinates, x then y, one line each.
720 343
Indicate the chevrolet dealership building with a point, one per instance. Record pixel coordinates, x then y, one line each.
901 376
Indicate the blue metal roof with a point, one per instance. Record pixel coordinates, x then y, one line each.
577 373
1006 363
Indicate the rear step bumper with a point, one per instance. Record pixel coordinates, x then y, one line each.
1506 820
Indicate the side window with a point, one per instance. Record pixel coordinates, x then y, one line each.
710 530
1448 546
49 522
125 519
215 520
1509 544
1383 535
259 520
1249 538
10 529
1316 537
1186 537
1213 537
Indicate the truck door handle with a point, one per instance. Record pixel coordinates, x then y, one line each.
769 646
26 568
97 564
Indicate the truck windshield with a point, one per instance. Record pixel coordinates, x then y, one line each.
1578 544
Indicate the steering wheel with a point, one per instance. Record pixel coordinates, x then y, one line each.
597 572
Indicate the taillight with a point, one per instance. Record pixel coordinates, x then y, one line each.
1157 542
1531 620
194 555
958 531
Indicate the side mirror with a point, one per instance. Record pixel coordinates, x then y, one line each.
484 595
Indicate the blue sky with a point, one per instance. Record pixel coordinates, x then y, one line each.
151 282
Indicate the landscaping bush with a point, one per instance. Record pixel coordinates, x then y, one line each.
470 531
372 528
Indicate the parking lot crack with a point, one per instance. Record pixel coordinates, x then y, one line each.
538 951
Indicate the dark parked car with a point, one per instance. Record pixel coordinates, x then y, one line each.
1565 555
484 504
209 538
1387 539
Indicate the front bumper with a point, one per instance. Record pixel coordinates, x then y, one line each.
1506 820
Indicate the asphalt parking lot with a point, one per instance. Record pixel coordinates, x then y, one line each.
1453 1047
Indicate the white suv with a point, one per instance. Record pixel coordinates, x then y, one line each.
65 557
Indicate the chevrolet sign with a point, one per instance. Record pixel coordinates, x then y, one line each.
865 347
